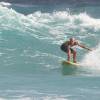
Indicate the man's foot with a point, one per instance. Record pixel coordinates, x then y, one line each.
75 61
68 61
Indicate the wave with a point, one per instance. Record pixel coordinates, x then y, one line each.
63 22
31 95
33 38
92 59
5 3
72 2
35 98
59 25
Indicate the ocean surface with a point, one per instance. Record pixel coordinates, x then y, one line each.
30 57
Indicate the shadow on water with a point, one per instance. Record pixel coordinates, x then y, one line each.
69 69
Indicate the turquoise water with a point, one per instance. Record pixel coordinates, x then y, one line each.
30 56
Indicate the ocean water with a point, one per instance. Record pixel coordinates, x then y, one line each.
30 56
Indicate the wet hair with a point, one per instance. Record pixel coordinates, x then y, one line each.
72 39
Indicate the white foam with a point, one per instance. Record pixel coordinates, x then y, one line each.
92 59
5 4
56 26
2 99
54 98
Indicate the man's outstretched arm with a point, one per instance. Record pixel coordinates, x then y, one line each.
82 46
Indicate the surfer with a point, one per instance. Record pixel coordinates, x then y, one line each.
69 48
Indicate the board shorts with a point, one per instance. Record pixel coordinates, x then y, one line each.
65 48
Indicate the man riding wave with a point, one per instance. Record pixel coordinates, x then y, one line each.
68 47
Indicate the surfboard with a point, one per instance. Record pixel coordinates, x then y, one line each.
70 63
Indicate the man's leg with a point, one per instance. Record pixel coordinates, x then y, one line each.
74 56
69 54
